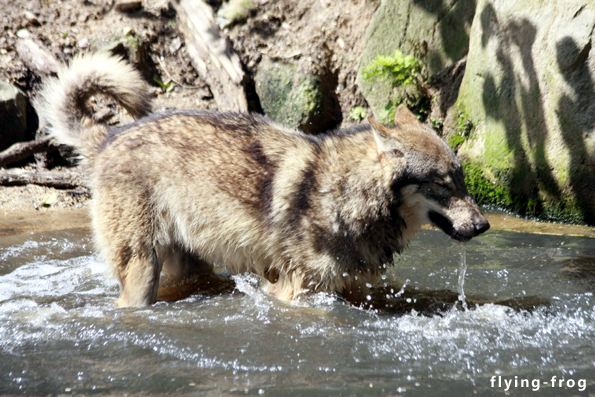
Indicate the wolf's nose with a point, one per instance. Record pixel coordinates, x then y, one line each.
481 224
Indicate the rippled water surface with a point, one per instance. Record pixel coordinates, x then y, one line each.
531 314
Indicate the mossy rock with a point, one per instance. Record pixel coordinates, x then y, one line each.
529 92
441 27
296 99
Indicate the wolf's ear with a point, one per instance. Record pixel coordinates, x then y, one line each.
403 116
385 141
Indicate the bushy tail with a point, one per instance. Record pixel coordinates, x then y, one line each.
64 101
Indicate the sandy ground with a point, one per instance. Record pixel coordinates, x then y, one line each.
14 199
31 208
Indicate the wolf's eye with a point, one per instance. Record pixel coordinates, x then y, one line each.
443 185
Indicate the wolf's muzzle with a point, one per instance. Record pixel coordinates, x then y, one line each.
479 225
442 222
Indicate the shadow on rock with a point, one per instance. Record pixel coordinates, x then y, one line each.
531 172
576 116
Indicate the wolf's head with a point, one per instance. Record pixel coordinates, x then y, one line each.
426 177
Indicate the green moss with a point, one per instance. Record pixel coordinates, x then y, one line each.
463 129
497 153
563 211
498 194
132 41
397 69
387 115
289 97
309 96
407 78
357 113
483 190
236 10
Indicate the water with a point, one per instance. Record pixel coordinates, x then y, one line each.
462 273
530 314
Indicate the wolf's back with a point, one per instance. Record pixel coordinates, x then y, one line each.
64 101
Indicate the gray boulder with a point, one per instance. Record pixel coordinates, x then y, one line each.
440 28
13 115
529 93
297 98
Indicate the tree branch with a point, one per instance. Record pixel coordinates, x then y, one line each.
21 150
61 179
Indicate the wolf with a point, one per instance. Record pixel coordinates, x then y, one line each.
177 192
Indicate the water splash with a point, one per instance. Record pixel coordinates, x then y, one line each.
59 328
402 290
462 272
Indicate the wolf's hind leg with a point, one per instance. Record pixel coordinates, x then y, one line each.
124 228
139 279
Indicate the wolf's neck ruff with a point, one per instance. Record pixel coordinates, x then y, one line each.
180 191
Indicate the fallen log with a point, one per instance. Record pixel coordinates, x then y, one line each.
59 179
36 57
211 55
21 150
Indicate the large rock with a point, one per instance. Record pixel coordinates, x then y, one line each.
296 98
13 115
529 92
440 26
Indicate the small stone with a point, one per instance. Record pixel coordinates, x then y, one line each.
31 19
127 30
129 5
83 43
205 93
175 45
23 34
154 91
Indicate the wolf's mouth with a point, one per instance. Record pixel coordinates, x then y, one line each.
446 226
